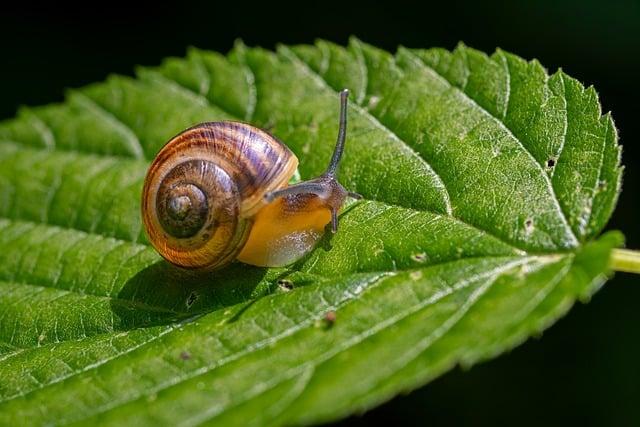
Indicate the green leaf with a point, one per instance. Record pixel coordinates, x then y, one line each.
487 183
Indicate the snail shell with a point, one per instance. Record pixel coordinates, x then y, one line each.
204 188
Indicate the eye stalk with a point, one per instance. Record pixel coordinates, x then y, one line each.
326 186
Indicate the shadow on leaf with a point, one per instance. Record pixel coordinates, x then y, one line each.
162 293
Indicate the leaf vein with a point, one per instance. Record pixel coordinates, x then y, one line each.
129 135
573 239
321 82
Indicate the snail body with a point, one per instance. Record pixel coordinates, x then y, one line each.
219 191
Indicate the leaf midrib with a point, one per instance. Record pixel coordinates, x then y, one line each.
355 340
377 278
433 337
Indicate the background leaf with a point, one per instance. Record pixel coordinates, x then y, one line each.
486 182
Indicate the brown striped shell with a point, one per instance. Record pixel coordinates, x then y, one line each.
205 186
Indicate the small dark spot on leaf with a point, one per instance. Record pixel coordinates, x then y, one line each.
285 284
327 321
192 298
185 355
330 317
551 163
528 225
419 257
205 236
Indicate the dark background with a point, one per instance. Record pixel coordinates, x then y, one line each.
585 369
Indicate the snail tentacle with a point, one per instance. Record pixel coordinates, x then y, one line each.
342 134
326 186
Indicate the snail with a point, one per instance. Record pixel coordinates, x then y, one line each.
219 192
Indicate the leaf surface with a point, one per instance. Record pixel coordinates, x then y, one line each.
486 181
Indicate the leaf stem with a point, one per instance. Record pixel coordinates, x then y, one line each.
625 260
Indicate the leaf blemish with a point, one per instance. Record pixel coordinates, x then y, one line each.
185 355
327 321
330 318
285 284
551 163
373 102
416 275
528 226
419 257
191 299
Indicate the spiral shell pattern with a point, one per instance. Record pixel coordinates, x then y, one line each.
205 186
